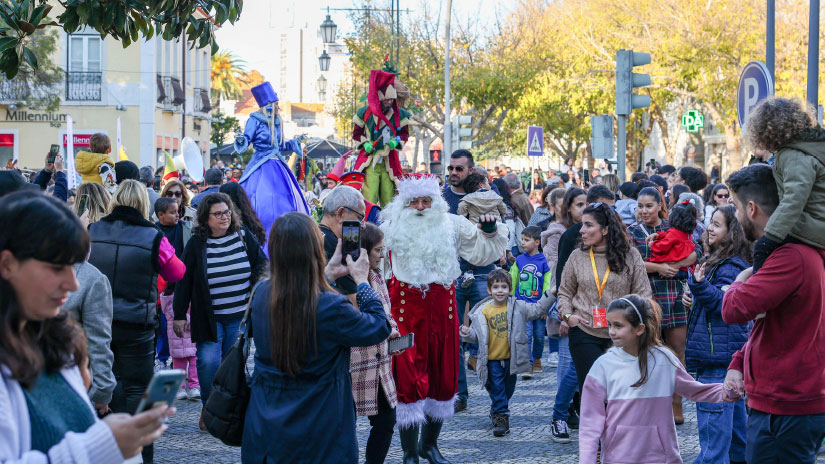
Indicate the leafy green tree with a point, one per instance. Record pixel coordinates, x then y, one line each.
38 88
223 128
124 20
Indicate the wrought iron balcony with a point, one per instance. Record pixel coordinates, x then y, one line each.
13 91
83 86
201 101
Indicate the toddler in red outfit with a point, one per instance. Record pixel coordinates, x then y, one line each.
675 243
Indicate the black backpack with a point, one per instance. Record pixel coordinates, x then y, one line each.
225 409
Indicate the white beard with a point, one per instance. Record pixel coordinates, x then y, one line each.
423 245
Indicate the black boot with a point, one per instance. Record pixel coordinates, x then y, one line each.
409 443
428 448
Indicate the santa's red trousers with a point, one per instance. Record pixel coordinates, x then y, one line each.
426 375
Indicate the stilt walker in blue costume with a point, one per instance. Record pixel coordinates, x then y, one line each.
270 184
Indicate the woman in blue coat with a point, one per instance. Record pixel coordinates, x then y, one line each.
711 342
301 408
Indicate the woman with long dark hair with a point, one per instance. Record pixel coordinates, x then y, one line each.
603 268
223 262
667 288
711 343
718 196
46 414
303 331
249 218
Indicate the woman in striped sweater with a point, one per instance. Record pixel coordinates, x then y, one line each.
223 262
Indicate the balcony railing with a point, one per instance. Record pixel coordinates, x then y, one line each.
83 86
201 101
14 90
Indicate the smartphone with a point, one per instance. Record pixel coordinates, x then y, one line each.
586 176
82 204
53 152
401 343
351 238
162 389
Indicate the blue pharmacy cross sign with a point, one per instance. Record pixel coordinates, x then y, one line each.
535 141
755 85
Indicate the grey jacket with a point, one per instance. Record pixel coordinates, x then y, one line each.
91 306
518 313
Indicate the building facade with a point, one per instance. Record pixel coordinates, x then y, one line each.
158 89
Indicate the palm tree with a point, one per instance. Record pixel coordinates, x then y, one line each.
228 73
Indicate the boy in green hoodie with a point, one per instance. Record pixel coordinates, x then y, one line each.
788 128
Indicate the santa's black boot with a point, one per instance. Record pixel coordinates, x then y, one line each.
428 448
409 443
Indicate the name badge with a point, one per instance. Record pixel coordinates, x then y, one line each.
599 318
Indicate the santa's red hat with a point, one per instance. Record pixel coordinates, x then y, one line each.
418 185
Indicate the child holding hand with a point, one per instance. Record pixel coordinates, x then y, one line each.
626 400
498 325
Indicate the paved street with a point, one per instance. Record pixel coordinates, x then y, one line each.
466 439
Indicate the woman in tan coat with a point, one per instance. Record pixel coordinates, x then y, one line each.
606 267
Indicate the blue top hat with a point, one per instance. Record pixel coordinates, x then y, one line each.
264 94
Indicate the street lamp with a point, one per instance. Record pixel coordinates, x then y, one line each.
328 29
322 84
323 61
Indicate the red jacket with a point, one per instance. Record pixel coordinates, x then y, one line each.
671 245
784 359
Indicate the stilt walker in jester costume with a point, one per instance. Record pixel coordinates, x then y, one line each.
380 130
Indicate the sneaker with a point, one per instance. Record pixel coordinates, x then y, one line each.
471 363
460 405
160 365
553 360
501 425
528 375
194 393
573 419
536 366
181 395
468 279
560 432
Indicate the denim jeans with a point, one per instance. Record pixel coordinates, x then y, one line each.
722 426
779 439
501 385
210 355
566 380
162 346
473 294
535 338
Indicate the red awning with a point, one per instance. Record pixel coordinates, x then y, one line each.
6 140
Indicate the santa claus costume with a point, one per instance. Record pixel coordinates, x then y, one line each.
424 244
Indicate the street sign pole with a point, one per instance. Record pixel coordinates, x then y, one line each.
770 38
448 136
813 54
621 144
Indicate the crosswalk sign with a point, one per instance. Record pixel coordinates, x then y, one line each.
535 141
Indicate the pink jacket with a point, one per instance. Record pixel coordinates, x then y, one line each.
178 347
635 424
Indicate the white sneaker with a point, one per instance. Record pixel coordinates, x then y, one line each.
159 366
553 360
182 395
194 393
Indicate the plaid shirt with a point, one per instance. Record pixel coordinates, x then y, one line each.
371 365
666 291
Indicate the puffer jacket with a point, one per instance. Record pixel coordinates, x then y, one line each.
710 341
178 347
518 313
799 172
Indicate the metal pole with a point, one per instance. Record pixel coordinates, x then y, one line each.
770 39
813 54
183 82
447 138
621 145
301 65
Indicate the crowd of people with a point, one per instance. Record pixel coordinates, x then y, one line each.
645 292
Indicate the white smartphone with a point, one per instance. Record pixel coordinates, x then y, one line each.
162 389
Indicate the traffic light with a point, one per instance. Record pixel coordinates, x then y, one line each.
463 127
435 156
601 144
627 80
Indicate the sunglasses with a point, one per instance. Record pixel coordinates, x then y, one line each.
722 195
455 168
177 194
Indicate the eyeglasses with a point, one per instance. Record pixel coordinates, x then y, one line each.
723 195
359 215
455 168
175 193
221 214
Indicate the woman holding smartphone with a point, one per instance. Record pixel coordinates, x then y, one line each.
47 415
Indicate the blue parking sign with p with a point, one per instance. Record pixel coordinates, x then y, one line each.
755 85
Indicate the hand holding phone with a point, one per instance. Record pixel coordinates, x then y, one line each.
82 204
162 389
351 240
401 343
53 151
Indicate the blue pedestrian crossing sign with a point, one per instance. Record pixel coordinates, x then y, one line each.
755 85
535 141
